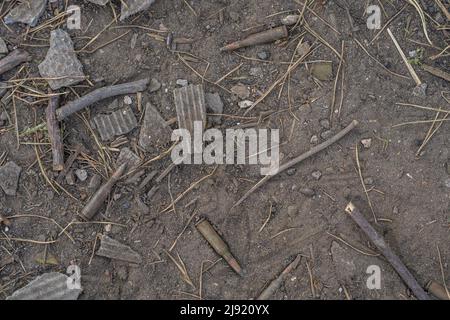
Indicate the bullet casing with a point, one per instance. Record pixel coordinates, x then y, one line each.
258 38
213 238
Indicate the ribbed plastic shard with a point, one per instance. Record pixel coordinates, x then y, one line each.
190 106
113 249
49 286
115 124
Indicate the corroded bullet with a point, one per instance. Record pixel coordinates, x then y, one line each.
258 38
102 193
437 290
213 238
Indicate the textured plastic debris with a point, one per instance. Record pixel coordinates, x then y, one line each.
129 157
49 286
113 249
27 12
190 106
130 7
116 123
9 178
61 62
154 131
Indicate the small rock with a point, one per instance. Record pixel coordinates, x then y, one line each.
9 178
322 71
70 178
325 123
113 249
326 135
155 85
290 19
291 172
27 12
182 82
129 157
263 55
61 62
256 72
368 181
241 91
81 174
214 105
314 139
316 174
367 143
3 47
307 192
447 183
292 211
127 100
131 7
420 91
245 104
154 131
395 210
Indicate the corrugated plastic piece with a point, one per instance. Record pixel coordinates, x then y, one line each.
115 124
190 106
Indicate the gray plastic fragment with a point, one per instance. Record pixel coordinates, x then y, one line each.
116 123
113 249
49 286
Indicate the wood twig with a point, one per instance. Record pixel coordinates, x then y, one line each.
387 252
54 134
13 59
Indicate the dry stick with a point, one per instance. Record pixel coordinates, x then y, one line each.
300 158
100 94
54 134
364 184
13 59
387 252
405 60
101 194
276 283
443 8
69 163
436 72
333 100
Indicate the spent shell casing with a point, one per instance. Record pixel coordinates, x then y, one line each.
437 290
266 36
213 238
97 200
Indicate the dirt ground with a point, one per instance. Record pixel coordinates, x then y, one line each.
409 192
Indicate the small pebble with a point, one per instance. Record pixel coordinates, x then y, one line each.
316 174
127 100
368 181
447 182
307 192
263 55
325 123
326 135
245 104
292 211
155 85
291 172
81 174
70 178
366 143
182 82
314 139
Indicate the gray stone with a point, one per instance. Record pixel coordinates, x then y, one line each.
127 100
113 249
182 82
368 181
9 178
325 123
421 90
49 286
326 135
245 104
61 62
130 7
3 47
241 91
447 183
263 55
307 192
81 174
70 178
130 158
214 105
154 131
27 12
154 86
314 139
316 174
291 172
